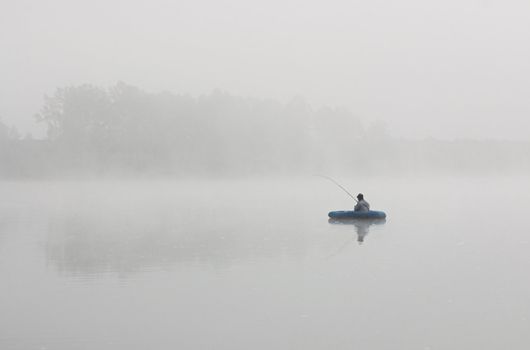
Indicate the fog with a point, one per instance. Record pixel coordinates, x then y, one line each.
165 167
255 264
124 131
454 69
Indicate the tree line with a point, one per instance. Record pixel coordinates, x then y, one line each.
123 129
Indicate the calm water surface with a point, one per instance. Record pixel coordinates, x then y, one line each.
257 265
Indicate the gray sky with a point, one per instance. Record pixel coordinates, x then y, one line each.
448 69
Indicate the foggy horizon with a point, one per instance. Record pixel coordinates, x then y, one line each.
451 70
29 126
122 129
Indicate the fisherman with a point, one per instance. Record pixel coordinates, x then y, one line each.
361 205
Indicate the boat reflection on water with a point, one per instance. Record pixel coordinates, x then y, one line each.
362 226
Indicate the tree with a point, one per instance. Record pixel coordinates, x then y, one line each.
75 113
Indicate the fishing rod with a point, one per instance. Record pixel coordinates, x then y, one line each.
336 183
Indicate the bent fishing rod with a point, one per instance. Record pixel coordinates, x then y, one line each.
336 183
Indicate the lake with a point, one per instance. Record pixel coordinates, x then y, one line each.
255 264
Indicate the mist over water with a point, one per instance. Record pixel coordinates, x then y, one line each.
256 264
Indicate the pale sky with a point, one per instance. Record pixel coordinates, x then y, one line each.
446 69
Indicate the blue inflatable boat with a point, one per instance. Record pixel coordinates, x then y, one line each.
350 214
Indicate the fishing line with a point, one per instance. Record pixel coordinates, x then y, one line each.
336 183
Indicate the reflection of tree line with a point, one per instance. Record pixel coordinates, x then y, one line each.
126 129
89 244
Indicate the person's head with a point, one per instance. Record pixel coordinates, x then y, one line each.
360 196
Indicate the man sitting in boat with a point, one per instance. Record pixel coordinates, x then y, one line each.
361 205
